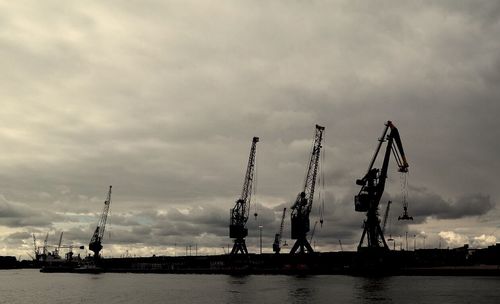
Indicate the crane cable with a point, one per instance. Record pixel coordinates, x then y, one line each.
254 188
322 186
404 188
108 222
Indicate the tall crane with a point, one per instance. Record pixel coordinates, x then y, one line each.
279 235
373 185
303 204
239 214
95 242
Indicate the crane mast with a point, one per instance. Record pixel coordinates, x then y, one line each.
303 204
239 214
95 242
373 185
279 235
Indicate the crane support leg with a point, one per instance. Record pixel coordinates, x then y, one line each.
373 233
301 246
239 246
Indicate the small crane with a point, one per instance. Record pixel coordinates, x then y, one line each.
44 250
373 185
59 245
239 214
303 204
37 252
278 236
95 244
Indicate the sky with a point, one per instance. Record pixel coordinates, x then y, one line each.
161 99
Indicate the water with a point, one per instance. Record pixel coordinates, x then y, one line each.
31 286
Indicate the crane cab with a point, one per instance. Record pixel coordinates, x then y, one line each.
300 226
237 231
362 202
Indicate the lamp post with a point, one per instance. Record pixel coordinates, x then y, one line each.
406 236
260 236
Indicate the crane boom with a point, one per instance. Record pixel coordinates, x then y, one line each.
279 235
303 204
373 185
95 244
239 214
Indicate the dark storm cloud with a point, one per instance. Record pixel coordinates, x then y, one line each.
19 215
19 236
425 204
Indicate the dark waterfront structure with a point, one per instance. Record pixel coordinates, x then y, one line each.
8 262
458 261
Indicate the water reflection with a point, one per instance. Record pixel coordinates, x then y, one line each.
301 290
236 287
373 289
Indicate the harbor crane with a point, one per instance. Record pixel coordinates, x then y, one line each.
95 244
303 204
279 235
56 251
373 185
44 250
239 214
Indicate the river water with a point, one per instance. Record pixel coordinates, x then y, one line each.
31 286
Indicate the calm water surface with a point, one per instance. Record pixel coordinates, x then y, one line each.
31 286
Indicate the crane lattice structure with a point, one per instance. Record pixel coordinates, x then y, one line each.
303 204
95 244
279 235
239 214
373 185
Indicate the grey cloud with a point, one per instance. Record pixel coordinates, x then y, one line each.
20 215
423 204
162 100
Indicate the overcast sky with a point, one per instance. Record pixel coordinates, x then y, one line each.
161 99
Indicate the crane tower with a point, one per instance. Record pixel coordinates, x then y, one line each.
95 242
303 204
239 214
